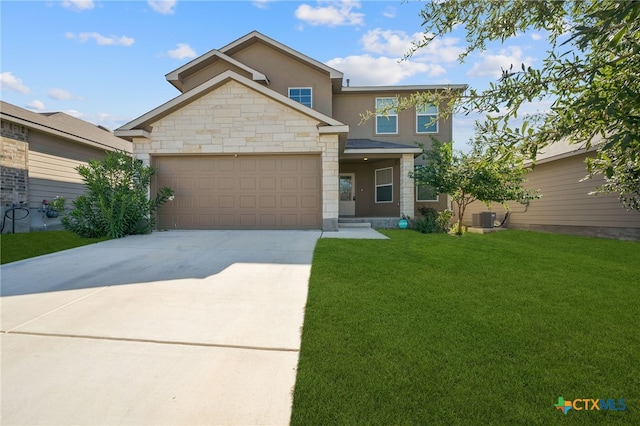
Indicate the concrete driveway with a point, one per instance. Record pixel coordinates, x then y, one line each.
178 327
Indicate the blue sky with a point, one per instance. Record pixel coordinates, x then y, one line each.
105 61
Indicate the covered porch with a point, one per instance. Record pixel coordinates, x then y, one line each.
375 183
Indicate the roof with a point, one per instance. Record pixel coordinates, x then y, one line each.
139 126
406 88
175 77
64 126
255 36
369 146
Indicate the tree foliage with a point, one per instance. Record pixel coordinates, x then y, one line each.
477 175
116 202
591 74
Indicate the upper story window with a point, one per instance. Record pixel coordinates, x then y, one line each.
427 119
386 124
302 95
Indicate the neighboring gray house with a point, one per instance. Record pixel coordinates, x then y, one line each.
39 154
265 137
566 206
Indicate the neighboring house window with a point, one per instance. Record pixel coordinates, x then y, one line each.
301 94
425 192
384 185
427 119
386 124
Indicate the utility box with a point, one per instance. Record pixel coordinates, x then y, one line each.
483 220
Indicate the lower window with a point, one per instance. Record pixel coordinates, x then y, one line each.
384 185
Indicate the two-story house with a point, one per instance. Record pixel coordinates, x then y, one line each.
264 137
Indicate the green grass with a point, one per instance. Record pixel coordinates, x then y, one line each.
15 247
479 330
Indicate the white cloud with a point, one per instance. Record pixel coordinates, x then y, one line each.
104 119
183 51
101 40
165 7
389 12
366 70
331 13
78 5
492 65
536 36
262 4
74 113
11 82
36 105
60 94
398 43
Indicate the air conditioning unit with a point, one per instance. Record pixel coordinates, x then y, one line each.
483 220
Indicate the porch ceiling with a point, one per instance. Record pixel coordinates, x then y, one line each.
359 149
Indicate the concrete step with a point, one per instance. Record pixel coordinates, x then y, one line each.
354 225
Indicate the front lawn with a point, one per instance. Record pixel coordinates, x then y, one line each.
479 330
15 247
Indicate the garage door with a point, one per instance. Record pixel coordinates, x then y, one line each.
243 192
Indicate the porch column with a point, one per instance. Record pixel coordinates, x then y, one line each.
407 187
146 160
330 182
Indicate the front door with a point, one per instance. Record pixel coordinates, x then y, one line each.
347 194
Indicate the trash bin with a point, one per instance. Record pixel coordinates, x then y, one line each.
483 220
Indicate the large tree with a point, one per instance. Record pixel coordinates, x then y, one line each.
591 74
480 174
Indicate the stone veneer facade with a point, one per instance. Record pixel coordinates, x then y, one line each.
14 172
234 119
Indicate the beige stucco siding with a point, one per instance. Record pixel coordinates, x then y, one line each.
348 107
565 200
284 71
210 72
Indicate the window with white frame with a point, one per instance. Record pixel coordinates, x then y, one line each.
425 192
302 95
427 119
384 185
386 123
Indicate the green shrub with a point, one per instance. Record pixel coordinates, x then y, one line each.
116 203
443 221
432 221
427 224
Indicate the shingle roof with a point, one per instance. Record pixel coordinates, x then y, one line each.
64 125
371 144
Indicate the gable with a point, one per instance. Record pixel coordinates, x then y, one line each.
140 127
234 118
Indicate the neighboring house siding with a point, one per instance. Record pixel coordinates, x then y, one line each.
566 205
284 71
52 168
46 148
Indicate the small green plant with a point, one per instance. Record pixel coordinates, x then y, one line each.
457 229
443 221
58 204
116 203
